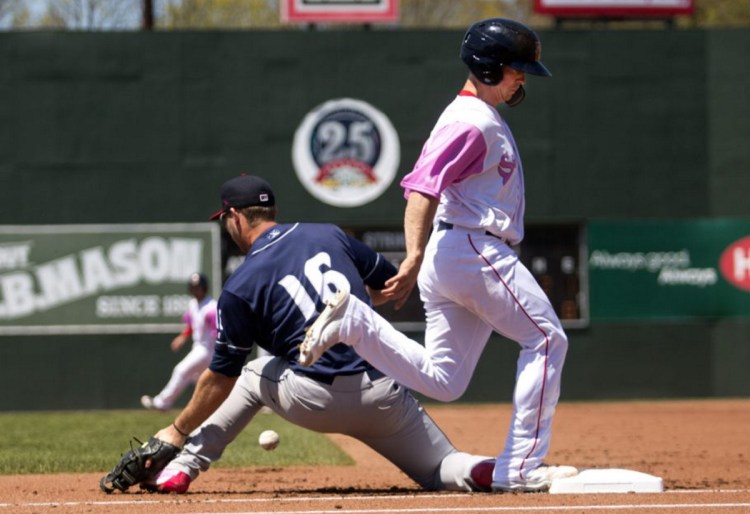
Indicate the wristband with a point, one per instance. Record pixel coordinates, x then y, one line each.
183 434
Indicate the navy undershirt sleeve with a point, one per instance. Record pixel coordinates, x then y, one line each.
234 341
373 267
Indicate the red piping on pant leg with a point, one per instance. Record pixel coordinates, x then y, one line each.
546 350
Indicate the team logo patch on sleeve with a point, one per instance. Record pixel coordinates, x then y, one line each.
346 152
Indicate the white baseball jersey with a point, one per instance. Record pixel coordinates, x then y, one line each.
202 319
471 162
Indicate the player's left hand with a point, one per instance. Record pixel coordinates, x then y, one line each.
139 465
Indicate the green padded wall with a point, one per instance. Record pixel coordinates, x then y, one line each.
130 127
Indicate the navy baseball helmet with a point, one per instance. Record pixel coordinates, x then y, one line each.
490 44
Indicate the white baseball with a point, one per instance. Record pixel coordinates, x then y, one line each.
268 440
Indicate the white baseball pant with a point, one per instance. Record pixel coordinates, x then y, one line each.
185 373
472 283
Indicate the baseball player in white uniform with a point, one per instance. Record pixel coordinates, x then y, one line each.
467 191
200 324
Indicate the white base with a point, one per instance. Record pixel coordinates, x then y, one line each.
607 481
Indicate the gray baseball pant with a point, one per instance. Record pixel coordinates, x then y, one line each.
379 412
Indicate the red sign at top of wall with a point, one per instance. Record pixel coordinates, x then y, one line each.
614 8
339 11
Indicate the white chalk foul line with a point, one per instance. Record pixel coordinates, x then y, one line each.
297 499
547 508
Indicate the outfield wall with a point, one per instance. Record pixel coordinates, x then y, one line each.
142 128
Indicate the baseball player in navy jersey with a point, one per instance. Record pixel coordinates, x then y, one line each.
465 195
200 325
290 272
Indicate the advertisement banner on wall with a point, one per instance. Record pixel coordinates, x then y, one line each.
614 8
669 269
96 279
339 11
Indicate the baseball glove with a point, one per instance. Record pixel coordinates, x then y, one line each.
139 464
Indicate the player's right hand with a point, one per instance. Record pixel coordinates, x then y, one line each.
177 343
399 287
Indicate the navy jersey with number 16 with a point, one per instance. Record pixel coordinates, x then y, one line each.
281 287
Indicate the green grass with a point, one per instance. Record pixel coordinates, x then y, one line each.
92 441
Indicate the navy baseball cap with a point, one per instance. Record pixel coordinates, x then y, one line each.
244 191
198 280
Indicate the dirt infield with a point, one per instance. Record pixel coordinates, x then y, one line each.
699 448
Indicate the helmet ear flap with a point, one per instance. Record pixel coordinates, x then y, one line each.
488 72
494 76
